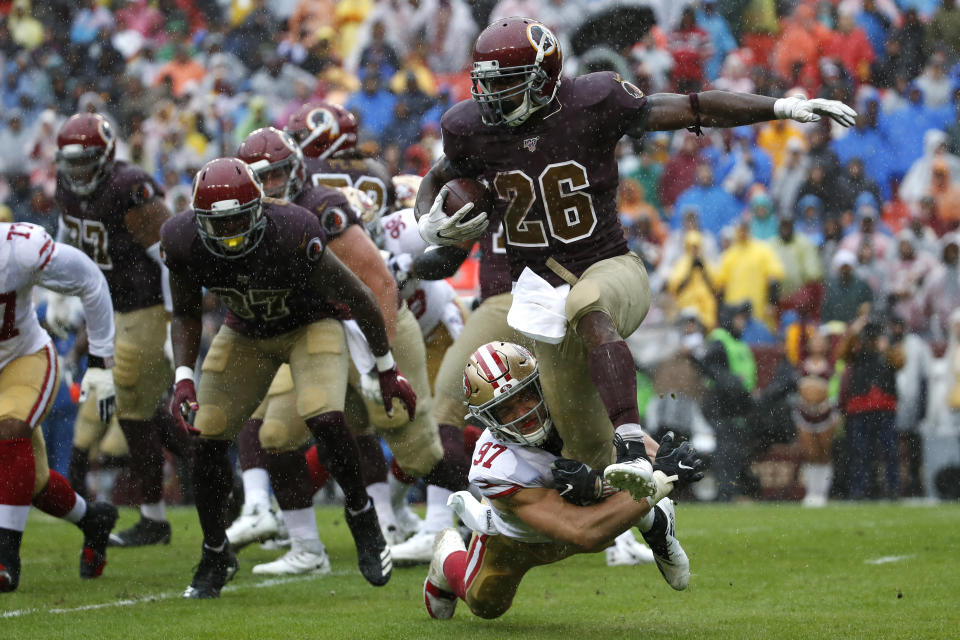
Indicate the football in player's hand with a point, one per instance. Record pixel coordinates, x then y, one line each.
464 190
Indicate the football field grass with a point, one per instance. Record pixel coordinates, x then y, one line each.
758 571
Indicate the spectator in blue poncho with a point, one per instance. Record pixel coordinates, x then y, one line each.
717 207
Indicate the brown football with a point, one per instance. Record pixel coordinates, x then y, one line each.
464 190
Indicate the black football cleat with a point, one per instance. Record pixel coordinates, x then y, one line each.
9 576
373 552
145 532
216 569
96 525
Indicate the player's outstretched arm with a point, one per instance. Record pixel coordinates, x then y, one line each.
670 111
144 223
590 528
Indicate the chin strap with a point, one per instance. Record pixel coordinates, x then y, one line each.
695 105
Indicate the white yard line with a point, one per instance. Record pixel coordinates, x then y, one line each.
126 602
888 559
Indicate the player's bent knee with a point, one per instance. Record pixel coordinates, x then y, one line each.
312 401
11 428
211 421
584 297
126 371
274 436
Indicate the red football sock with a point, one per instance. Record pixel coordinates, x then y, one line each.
318 474
58 498
454 570
16 482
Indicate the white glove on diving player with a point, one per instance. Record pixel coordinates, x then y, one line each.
99 383
801 110
438 228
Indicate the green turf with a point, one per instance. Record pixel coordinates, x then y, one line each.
759 571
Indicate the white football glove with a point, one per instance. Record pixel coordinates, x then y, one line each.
801 110
99 383
437 228
370 387
477 516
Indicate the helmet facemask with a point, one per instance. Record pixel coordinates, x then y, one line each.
502 389
531 428
83 168
229 229
286 188
494 85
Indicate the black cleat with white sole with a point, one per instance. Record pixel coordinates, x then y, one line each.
216 569
373 552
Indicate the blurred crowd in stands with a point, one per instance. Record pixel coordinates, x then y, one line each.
809 234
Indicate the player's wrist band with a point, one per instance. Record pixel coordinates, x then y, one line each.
183 373
95 362
385 362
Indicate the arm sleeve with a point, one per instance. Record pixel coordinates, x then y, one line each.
439 263
71 272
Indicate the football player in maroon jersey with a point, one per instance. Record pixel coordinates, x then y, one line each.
112 211
419 447
267 260
548 150
327 134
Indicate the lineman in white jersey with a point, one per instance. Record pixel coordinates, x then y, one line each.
29 377
543 508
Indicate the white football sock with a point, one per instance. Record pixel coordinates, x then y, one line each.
439 515
14 517
256 488
302 524
79 510
155 511
379 492
646 522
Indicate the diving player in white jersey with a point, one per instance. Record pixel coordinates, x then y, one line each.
29 377
544 508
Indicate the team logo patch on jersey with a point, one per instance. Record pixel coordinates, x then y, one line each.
334 221
530 144
631 89
314 249
142 192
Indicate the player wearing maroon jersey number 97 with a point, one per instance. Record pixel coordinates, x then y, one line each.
112 211
547 145
267 260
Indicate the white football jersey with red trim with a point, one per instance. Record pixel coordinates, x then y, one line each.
29 257
431 301
499 469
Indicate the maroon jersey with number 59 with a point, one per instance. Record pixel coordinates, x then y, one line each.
556 174
96 224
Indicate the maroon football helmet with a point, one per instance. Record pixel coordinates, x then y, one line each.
86 147
228 204
322 129
517 64
277 160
